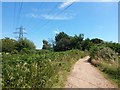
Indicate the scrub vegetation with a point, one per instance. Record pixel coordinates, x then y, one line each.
23 66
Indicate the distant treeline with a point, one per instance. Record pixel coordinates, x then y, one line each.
62 42
65 42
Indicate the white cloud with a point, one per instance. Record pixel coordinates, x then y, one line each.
65 16
33 15
69 2
41 10
65 4
60 17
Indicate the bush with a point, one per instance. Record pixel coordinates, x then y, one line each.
14 52
25 45
45 70
25 51
102 52
114 46
7 44
42 51
107 61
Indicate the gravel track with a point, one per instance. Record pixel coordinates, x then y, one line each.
84 75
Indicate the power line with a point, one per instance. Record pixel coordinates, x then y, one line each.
41 4
14 15
21 5
21 29
57 14
52 10
17 12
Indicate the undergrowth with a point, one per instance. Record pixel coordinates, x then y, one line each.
42 70
107 61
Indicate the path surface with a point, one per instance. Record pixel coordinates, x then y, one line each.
84 75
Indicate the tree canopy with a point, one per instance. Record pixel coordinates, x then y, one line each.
7 44
46 45
65 42
11 45
24 43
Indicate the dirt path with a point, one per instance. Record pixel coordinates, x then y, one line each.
84 75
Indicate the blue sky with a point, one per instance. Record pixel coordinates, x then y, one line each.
42 20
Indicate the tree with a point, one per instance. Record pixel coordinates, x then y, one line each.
60 36
86 44
62 42
76 41
62 45
65 42
46 45
8 45
0 45
96 41
23 44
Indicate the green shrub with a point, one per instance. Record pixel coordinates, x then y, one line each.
14 52
44 70
42 51
24 45
101 52
107 61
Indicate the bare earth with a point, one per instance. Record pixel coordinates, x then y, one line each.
84 75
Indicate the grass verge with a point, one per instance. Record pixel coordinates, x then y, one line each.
111 71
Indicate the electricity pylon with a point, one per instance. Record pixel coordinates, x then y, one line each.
20 32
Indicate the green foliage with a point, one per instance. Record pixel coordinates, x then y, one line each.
25 45
46 45
114 46
86 44
0 45
76 41
65 42
62 45
62 41
7 44
112 71
12 46
44 70
96 41
102 52
107 61
60 36
14 52
43 51
26 51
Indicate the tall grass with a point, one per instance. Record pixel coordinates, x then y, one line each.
43 70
